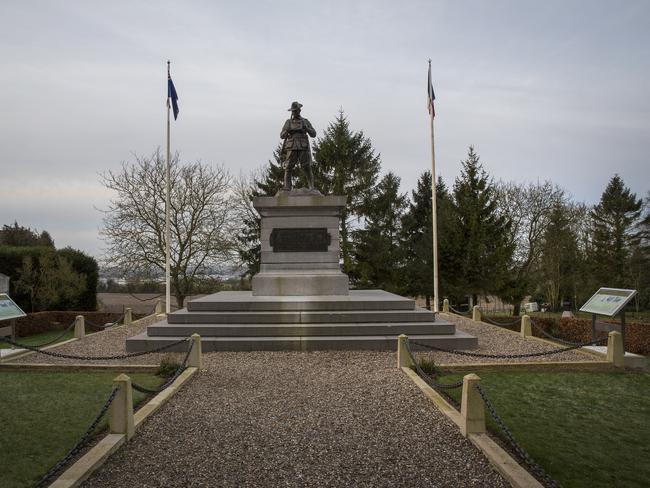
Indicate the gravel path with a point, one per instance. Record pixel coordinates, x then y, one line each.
298 419
495 340
106 343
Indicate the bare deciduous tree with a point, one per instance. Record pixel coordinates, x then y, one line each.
201 220
529 208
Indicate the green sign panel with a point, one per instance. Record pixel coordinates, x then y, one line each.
608 301
8 309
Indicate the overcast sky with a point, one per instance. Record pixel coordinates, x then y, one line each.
543 90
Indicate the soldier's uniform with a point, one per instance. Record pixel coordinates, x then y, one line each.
295 149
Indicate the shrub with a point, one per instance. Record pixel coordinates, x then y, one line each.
428 365
168 366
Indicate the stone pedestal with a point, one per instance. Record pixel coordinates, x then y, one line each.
300 245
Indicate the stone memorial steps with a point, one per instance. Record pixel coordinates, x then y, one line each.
457 340
311 317
242 301
239 321
271 330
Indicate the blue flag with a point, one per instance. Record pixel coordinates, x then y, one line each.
430 95
171 94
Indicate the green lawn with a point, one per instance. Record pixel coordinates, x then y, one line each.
38 339
43 414
585 429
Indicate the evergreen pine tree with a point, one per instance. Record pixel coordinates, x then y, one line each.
248 240
559 259
484 252
417 241
346 164
614 234
377 252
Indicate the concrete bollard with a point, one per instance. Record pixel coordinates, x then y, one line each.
476 313
472 408
526 330
445 306
159 307
128 316
403 356
79 327
615 350
120 413
196 356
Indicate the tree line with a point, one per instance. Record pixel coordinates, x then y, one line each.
504 239
43 277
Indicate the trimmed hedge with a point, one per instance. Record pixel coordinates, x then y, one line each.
637 334
38 322
86 265
11 261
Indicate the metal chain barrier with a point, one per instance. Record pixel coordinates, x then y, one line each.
428 378
500 324
57 338
91 358
458 312
182 367
510 356
44 481
535 468
550 336
105 326
146 299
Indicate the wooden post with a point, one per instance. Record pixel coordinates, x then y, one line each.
128 316
79 327
196 357
445 305
476 313
615 351
403 356
120 413
525 326
472 408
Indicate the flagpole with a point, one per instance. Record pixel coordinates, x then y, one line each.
167 209
434 212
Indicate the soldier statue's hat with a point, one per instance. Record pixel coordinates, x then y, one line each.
295 106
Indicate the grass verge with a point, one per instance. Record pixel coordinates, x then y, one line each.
585 429
43 414
41 338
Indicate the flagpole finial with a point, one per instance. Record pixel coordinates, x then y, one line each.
429 61
168 72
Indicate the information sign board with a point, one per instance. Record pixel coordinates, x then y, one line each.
608 301
9 309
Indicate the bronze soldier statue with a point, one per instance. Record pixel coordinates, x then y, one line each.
295 148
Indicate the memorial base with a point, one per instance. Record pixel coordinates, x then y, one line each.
300 283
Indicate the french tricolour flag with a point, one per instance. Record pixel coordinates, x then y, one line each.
430 95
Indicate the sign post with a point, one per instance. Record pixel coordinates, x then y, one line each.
609 302
9 311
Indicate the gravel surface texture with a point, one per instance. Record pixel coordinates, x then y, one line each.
494 340
270 419
106 343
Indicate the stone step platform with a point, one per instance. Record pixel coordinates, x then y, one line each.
458 340
308 317
364 319
244 301
164 329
